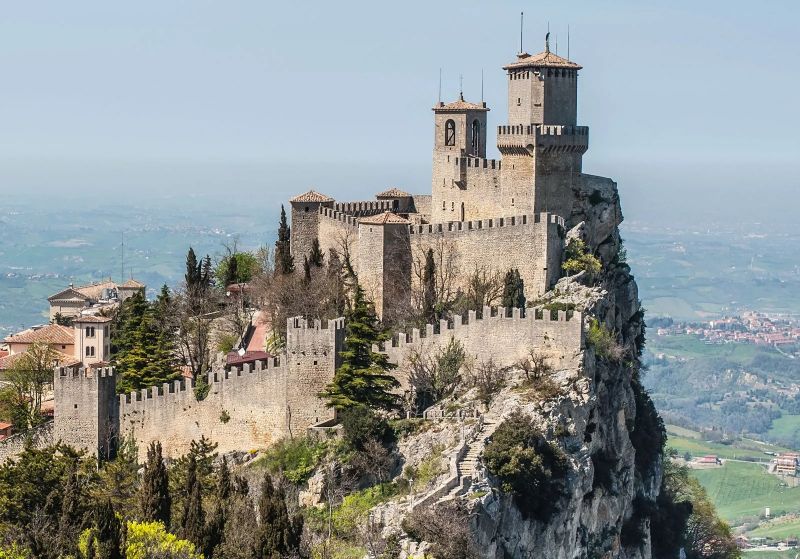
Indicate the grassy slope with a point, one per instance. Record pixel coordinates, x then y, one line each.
741 489
686 440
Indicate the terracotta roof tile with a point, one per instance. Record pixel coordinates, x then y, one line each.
393 193
460 105
384 218
68 294
133 284
544 59
64 360
91 319
50 334
311 196
95 290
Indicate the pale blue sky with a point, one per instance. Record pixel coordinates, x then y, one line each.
264 97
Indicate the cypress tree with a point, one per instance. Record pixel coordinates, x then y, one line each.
316 257
193 520
232 270
513 291
284 263
276 530
206 273
154 500
224 486
109 532
70 519
306 270
429 288
192 276
363 377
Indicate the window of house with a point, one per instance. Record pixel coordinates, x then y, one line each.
90 331
450 133
89 351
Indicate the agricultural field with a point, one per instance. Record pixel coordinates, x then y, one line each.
685 440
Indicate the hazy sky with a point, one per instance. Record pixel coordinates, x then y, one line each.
266 98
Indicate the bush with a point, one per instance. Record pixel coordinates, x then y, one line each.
296 458
604 344
427 470
445 527
530 469
360 425
577 258
354 508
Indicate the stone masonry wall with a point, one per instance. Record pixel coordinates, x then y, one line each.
499 337
86 408
530 243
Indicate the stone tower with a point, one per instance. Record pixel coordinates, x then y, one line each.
87 410
305 222
459 133
542 147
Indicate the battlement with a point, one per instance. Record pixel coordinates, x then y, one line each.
366 208
517 138
466 226
497 334
300 323
85 373
478 163
341 217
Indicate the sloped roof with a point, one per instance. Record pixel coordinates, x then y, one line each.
545 59
69 294
384 218
95 290
51 334
91 319
132 284
311 196
63 359
393 193
460 105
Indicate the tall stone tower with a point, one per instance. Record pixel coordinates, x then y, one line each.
305 222
459 133
542 147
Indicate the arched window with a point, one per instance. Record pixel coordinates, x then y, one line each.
476 137
450 133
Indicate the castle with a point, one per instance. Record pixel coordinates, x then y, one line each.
483 215
489 215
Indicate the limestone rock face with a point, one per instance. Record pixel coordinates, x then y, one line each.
591 418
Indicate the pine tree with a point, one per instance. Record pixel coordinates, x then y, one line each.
150 360
193 518
513 291
232 270
306 270
429 289
71 515
316 257
363 377
109 532
126 322
277 535
154 498
284 263
224 486
192 276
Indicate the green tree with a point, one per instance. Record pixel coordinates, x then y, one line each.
206 274
429 296
193 269
578 258
154 498
284 263
150 360
530 468
513 291
316 256
278 534
149 540
108 538
363 378
237 267
25 382
193 517
119 479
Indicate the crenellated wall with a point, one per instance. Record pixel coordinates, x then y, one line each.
530 243
504 339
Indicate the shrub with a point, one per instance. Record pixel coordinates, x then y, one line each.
224 417
427 470
296 458
149 539
577 258
603 342
360 425
354 508
648 436
530 469
445 527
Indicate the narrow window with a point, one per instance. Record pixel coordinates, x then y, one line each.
452 206
444 205
519 101
450 133
512 201
476 137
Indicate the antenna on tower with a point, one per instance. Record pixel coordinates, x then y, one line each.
461 86
440 85
122 257
556 43
481 85
568 42
521 20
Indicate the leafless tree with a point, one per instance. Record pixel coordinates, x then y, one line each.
483 289
446 257
535 366
447 529
196 308
375 460
26 380
489 379
434 375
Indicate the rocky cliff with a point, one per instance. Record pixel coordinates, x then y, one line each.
597 414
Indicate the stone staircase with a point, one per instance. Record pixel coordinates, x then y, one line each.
467 464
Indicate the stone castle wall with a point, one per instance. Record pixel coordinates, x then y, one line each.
530 243
504 339
86 413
